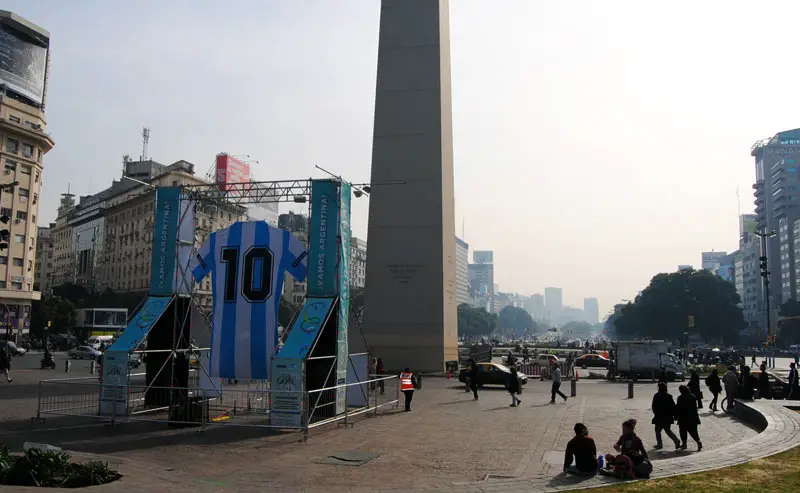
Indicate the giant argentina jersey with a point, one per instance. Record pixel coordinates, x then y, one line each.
247 262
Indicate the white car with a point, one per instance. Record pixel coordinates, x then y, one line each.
83 352
13 348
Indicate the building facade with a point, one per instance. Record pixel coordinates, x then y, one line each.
483 256
462 271
554 303
591 310
709 260
44 267
23 144
358 262
535 306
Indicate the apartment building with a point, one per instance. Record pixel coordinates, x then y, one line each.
358 262
23 144
44 267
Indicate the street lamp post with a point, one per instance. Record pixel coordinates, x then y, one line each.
765 274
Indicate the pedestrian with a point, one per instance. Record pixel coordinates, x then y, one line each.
664 415
381 371
694 386
473 378
715 387
764 388
583 450
555 389
632 460
408 384
793 381
371 369
753 360
688 419
514 387
731 383
5 362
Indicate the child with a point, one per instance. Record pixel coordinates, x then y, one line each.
631 453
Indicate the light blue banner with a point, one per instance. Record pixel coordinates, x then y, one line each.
343 353
323 247
141 324
165 240
306 327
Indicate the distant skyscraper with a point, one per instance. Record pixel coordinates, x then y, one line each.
592 310
483 256
711 259
536 305
684 267
481 279
554 303
462 271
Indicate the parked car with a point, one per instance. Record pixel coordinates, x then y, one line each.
13 348
83 352
547 360
592 361
492 374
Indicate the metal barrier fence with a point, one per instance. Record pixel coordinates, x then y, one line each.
250 406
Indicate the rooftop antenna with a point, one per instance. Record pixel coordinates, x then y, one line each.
738 203
145 141
463 229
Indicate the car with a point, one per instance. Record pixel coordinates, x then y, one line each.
592 361
83 352
492 374
546 359
13 348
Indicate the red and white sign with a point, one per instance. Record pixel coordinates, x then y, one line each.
231 170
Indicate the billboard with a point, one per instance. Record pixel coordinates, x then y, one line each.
173 239
726 272
748 223
23 65
344 296
323 250
231 170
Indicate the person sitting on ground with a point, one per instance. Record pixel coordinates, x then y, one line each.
583 450
631 454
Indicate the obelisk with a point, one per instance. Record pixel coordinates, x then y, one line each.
409 300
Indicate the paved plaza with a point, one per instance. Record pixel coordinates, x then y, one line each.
448 442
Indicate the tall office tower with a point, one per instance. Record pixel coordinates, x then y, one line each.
776 193
483 256
462 271
410 295
24 141
553 303
709 260
591 310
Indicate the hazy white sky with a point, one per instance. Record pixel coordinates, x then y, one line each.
596 143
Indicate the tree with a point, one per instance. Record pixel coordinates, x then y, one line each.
789 333
60 312
663 309
512 317
475 322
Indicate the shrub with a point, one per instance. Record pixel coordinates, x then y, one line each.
53 469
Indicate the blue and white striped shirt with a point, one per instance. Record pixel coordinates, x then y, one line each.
247 262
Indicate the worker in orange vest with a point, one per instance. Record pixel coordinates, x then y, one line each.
408 384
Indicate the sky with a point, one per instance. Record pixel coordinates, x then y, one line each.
596 143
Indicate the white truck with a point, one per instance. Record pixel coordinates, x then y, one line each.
645 359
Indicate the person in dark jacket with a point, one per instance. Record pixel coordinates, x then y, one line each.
688 419
794 383
664 415
583 450
514 387
473 378
715 387
5 362
764 388
694 386
631 452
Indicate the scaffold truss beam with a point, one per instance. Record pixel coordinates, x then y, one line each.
257 192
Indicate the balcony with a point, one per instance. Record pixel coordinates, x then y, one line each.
39 136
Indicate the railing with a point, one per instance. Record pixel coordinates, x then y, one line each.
240 405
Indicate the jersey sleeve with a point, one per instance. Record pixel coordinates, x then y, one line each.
297 258
203 260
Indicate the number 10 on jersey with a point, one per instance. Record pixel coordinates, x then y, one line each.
255 284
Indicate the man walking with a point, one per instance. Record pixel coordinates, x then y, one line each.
473 378
793 382
5 362
664 415
408 384
555 389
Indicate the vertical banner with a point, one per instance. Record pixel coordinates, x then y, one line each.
165 240
323 247
114 379
186 221
286 400
342 356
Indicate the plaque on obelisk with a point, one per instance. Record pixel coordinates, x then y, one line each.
410 303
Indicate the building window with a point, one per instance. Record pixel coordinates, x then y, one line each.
33 220
19 238
13 119
3 260
36 177
38 156
23 192
27 150
18 262
5 211
25 170
16 285
30 265
22 216
35 198
12 146
2 285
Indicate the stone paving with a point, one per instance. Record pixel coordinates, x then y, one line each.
447 443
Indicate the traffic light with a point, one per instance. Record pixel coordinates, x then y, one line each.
5 235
